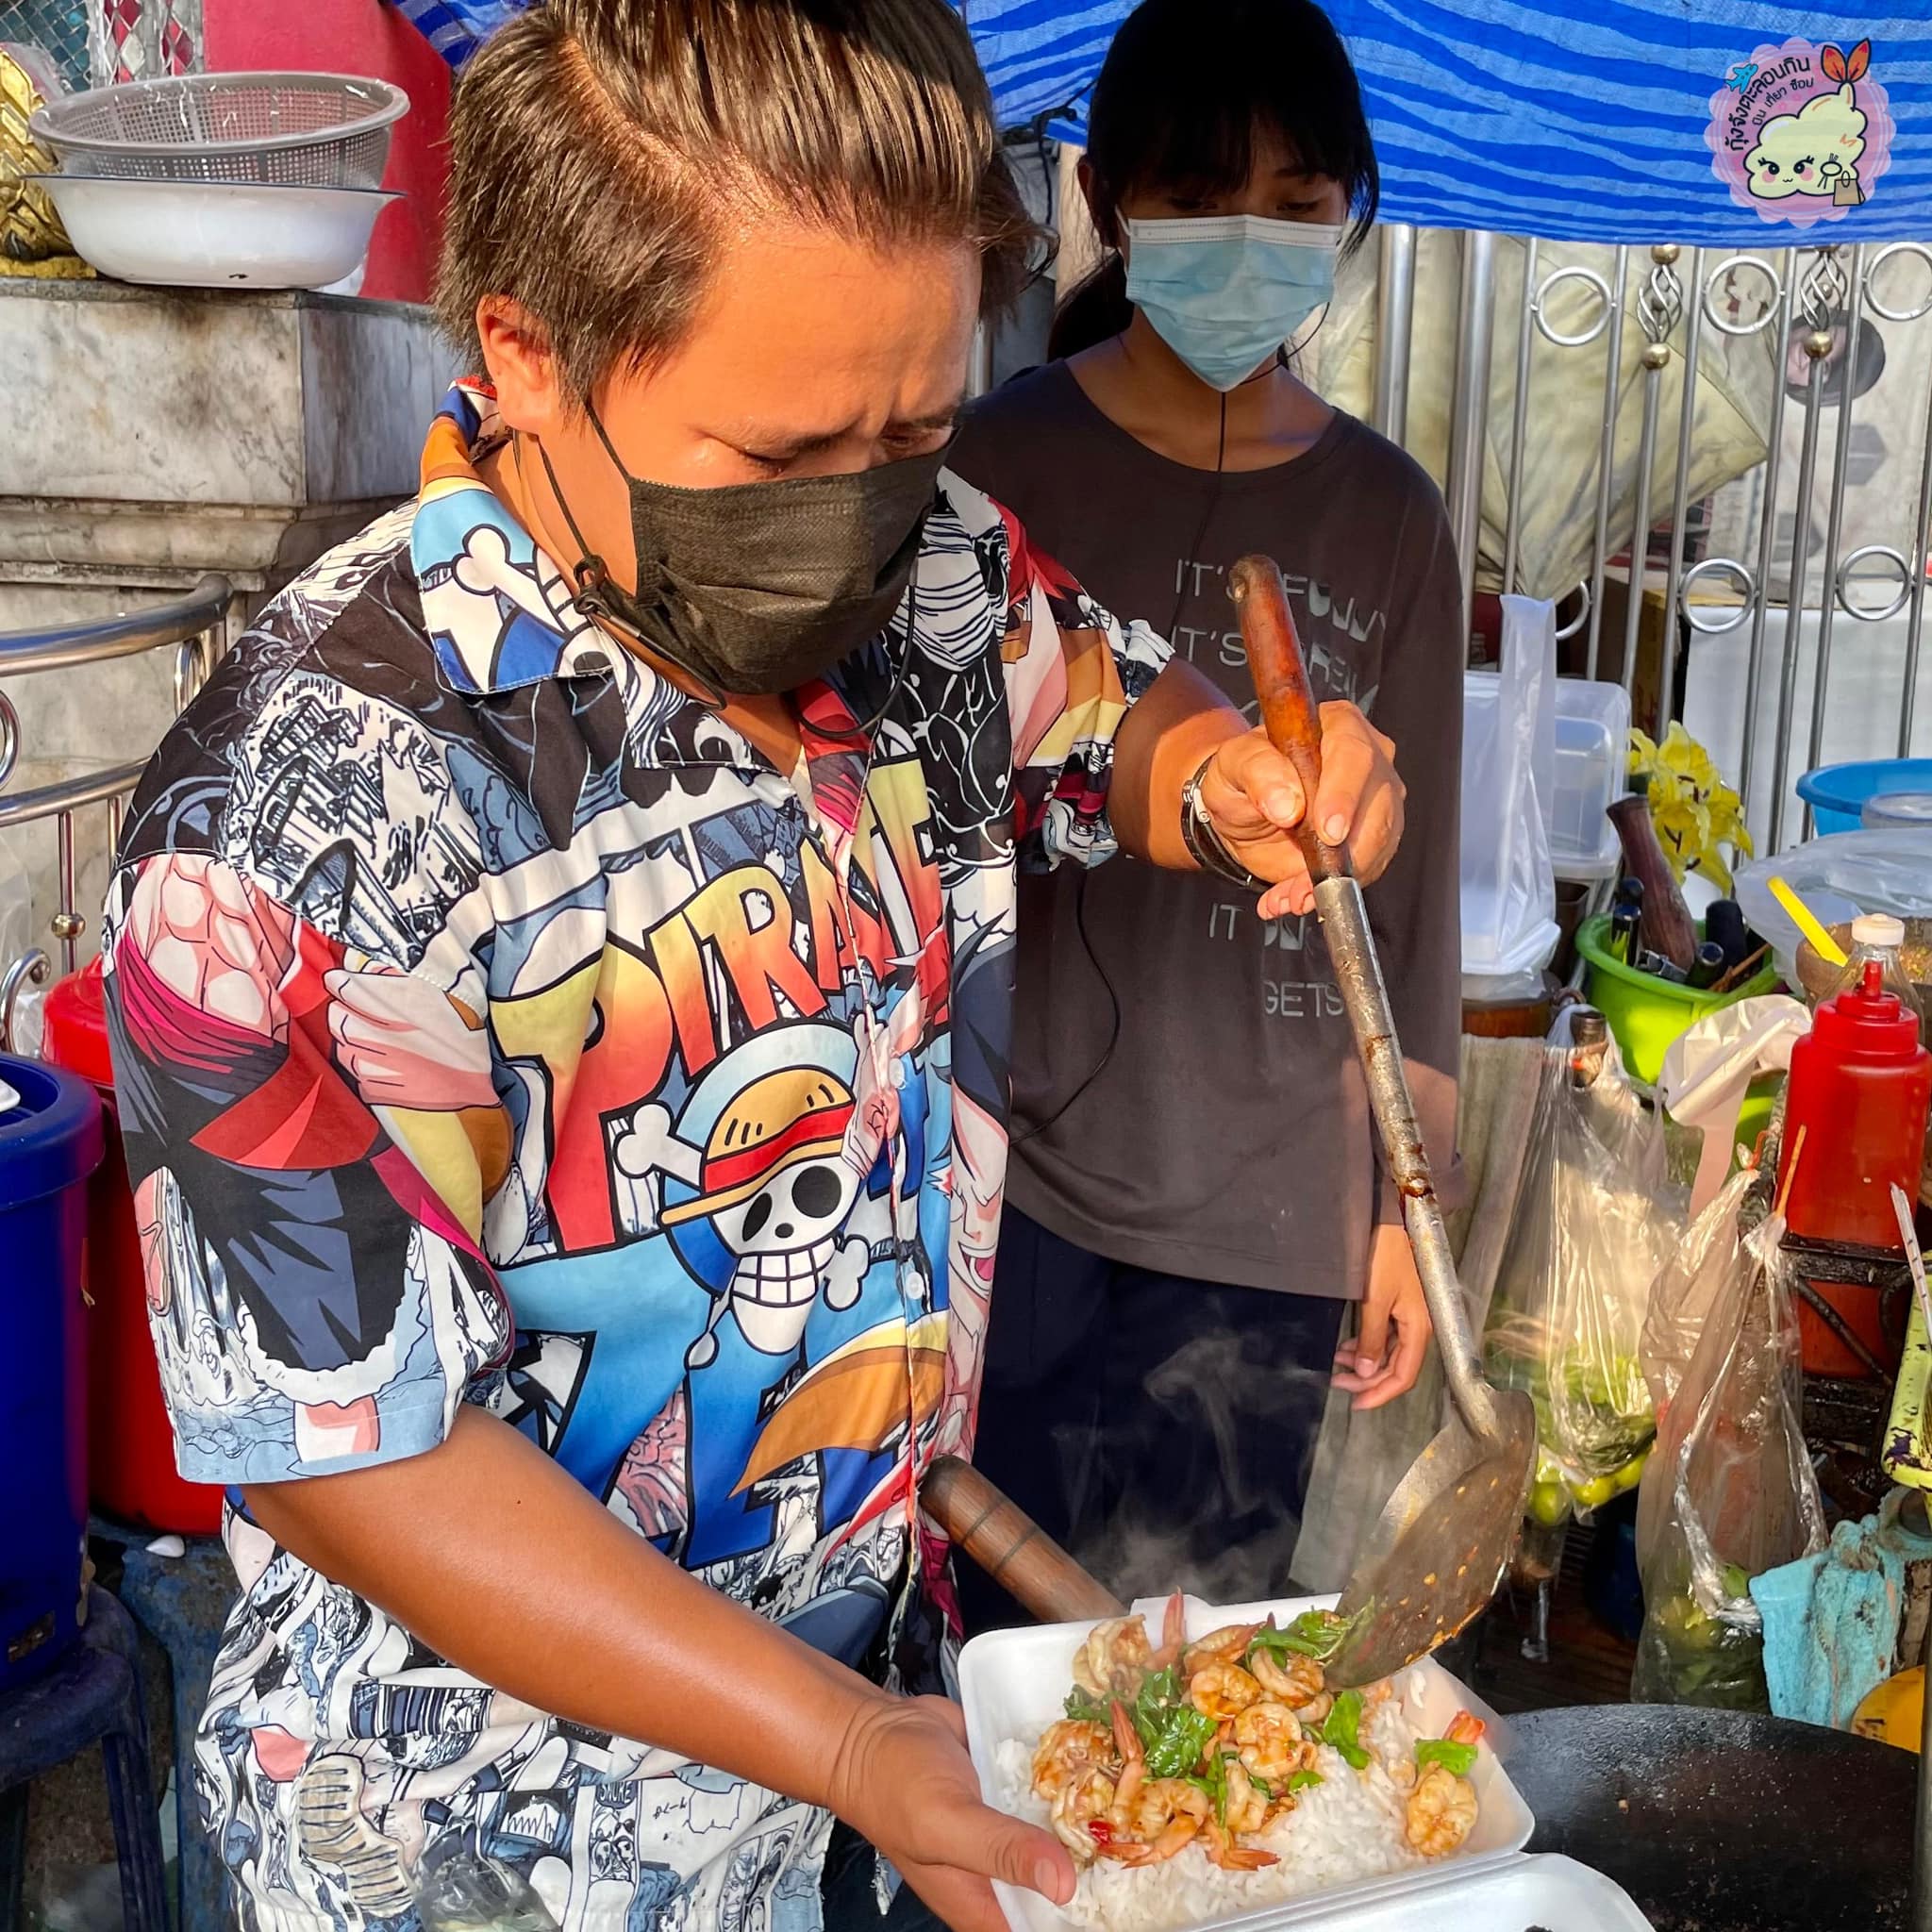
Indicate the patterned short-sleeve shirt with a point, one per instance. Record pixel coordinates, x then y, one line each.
494 1024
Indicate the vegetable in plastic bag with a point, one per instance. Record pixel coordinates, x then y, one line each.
1596 1219
1735 1495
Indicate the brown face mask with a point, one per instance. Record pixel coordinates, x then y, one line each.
759 587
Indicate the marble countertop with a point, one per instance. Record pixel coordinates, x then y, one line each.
38 288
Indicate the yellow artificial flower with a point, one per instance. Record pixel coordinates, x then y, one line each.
1681 753
1696 814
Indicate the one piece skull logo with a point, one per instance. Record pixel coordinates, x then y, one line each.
775 1184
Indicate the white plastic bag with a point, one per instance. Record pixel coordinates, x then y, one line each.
1508 752
1708 1069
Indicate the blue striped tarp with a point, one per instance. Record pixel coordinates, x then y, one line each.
1579 121
1573 120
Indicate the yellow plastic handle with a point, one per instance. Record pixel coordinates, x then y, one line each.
1823 943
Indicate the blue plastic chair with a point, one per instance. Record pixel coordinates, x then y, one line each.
89 1694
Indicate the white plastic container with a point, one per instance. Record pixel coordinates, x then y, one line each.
1513 1896
216 234
1015 1683
1591 774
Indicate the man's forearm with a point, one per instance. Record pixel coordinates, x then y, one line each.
498 1560
1161 746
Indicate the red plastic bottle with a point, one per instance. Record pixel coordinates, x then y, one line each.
1861 1085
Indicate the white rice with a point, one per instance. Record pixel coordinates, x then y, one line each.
1347 1828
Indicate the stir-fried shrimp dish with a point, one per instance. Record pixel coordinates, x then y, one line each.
1193 1779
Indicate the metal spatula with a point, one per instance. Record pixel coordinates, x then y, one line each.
1431 1562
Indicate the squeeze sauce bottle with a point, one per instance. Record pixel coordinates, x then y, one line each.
1860 1087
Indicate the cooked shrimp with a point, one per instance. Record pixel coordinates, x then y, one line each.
1234 1857
1219 1690
1174 1633
1113 1659
1441 1811
1222 1647
1082 1803
1167 1815
1066 1747
1315 1711
1132 1758
1247 1808
1291 1680
1271 1743
1465 1728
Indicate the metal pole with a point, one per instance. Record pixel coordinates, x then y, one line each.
1394 325
1639 542
1519 424
1469 417
1817 347
1835 518
1920 551
67 921
1659 309
1607 453
1767 528
1680 516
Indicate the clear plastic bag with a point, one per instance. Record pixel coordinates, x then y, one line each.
1839 876
1596 1220
1733 1494
1508 765
1685 1289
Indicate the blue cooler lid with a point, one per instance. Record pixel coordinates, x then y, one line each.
53 1139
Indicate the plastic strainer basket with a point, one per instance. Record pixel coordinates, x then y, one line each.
311 130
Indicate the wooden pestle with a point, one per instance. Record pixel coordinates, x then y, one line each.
1010 1547
1668 928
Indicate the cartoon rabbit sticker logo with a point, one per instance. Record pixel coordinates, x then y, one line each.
1799 133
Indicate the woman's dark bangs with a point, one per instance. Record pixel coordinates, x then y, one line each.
1167 116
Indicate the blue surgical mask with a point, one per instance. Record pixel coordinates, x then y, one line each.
1225 291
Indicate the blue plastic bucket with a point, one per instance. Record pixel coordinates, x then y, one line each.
1837 793
49 1146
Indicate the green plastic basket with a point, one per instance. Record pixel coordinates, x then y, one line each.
1646 1013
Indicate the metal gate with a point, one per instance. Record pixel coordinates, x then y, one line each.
1805 646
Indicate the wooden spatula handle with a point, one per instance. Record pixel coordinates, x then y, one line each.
1289 710
1010 1547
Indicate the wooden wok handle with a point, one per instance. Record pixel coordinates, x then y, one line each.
1010 1547
1287 703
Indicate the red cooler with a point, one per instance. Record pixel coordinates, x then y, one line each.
130 1447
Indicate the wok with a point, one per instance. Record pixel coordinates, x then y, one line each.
1718 1821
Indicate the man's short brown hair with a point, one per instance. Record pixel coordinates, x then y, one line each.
595 145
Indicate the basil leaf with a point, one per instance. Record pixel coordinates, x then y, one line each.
1177 1746
1318 1634
1458 1760
1301 1780
1160 1694
1342 1729
1084 1709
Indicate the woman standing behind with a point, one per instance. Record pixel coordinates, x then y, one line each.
1175 1273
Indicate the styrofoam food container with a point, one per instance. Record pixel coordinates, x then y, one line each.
1015 1683
216 234
1509 1895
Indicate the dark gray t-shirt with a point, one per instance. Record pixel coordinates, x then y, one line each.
1228 1136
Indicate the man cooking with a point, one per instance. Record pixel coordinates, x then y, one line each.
558 974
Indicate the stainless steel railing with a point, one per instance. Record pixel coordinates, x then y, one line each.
1819 301
195 627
